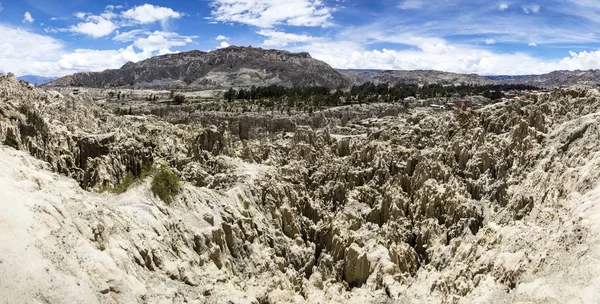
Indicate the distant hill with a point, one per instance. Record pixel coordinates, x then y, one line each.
228 67
557 79
508 77
241 67
36 80
413 77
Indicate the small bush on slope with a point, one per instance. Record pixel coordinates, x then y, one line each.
165 185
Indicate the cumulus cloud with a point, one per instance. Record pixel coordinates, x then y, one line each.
221 38
80 15
161 41
96 60
503 6
50 58
281 39
443 56
270 13
113 7
129 35
410 4
490 41
95 26
149 13
532 44
223 44
27 18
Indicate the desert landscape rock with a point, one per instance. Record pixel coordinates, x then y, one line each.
352 204
223 68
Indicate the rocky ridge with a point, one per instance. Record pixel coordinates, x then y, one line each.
492 205
560 79
421 77
223 68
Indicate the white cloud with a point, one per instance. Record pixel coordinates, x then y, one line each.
269 13
531 9
158 41
444 56
490 41
96 60
503 6
113 7
129 35
223 44
27 18
281 39
80 15
221 38
532 44
50 58
108 15
95 26
149 13
410 4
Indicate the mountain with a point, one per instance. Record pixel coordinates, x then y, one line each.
223 68
413 77
577 78
36 80
508 77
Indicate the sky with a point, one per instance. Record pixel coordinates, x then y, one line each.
487 37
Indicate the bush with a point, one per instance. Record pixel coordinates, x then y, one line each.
125 183
165 185
178 99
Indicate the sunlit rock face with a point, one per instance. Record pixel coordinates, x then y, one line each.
498 204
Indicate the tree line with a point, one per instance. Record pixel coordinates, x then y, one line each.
367 93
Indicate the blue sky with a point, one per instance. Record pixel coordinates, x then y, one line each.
56 38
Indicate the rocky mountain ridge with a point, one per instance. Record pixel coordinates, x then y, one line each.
241 67
559 79
223 68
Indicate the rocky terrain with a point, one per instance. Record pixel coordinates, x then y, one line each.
354 204
228 67
421 77
559 79
243 67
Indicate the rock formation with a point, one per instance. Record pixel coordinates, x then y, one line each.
223 68
498 204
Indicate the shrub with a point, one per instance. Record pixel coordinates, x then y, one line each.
125 183
165 185
178 99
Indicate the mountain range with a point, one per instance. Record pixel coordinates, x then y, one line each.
36 80
228 67
240 67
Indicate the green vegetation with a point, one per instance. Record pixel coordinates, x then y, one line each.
165 185
130 179
35 120
365 93
178 99
125 183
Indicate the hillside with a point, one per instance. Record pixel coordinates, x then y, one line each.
413 77
228 67
558 79
353 204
